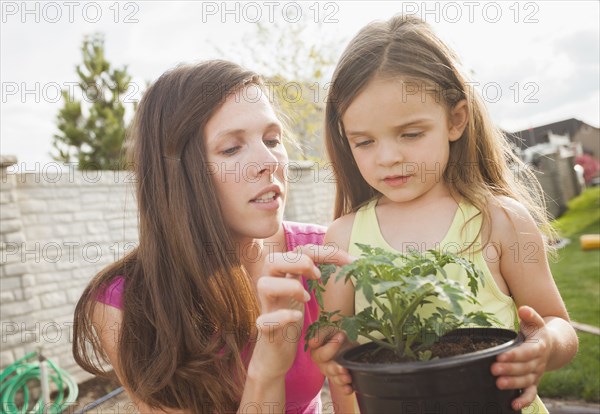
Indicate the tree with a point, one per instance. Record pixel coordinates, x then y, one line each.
296 68
93 129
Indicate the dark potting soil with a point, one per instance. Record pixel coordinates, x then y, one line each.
463 345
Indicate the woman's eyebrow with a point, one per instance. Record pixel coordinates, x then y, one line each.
273 125
242 131
227 132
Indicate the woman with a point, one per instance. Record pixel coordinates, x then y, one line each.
208 313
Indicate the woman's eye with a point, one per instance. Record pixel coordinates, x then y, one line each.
272 142
231 151
412 135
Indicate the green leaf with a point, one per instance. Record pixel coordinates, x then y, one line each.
396 293
326 271
383 287
368 292
351 327
425 355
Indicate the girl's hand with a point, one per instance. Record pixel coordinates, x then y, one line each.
523 367
323 349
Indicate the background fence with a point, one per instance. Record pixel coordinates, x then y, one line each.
59 228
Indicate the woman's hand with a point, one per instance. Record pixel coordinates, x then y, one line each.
523 366
282 297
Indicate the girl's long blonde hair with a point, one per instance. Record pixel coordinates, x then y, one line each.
481 163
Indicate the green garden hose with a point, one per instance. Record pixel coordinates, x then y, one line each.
16 376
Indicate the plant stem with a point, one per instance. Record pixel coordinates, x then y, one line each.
392 340
417 301
379 342
398 338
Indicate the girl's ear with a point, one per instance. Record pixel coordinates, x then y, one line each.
457 122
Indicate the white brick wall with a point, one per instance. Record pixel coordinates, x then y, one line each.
58 230
312 194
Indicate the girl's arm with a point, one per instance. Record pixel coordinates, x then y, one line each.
328 344
551 342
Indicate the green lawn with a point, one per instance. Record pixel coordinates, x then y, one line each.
577 274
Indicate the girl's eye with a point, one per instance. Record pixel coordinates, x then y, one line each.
231 151
272 142
362 143
412 135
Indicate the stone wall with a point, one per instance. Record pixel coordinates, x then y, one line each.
59 228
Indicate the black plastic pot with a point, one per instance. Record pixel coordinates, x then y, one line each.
459 384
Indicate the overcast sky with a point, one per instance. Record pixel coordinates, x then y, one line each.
535 62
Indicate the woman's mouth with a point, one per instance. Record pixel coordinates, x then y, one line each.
268 201
266 197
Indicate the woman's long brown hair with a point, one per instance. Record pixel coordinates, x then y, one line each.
481 163
188 305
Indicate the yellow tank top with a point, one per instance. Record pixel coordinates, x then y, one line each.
462 232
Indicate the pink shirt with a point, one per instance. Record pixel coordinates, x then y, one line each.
303 381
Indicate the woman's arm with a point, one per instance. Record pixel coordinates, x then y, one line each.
264 387
282 296
265 384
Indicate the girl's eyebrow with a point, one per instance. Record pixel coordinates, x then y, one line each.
396 128
412 123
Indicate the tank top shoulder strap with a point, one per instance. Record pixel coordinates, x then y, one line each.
465 228
365 229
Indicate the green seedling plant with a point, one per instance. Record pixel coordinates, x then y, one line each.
395 293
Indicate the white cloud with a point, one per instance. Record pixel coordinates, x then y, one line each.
559 52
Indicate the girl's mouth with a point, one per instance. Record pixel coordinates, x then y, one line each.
397 180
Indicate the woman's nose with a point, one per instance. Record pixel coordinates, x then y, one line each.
265 162
269 167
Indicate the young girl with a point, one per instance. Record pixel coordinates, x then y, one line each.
420 165
177 318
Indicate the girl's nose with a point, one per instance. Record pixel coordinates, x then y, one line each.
389 154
